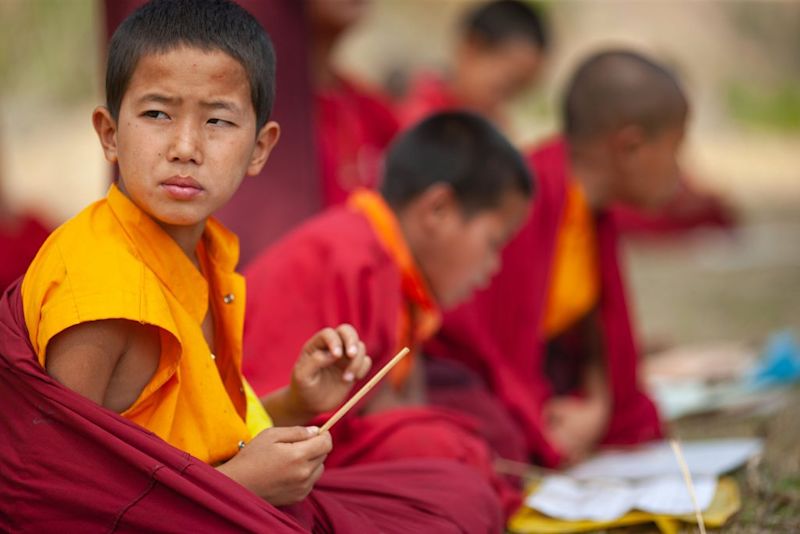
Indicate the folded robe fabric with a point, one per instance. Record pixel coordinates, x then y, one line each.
68 464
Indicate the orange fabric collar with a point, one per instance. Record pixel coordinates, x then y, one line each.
574 287
426 317
168 261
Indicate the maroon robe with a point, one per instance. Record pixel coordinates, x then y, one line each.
20 240
69 464
498 333
429 94
334 270
691 209
353 127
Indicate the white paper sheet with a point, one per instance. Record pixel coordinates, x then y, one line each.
704 458
573 500
645 478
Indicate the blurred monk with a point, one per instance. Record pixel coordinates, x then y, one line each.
454 191
353 123
552 335
499 55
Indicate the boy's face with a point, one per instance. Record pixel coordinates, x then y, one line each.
336 15
186 135
463 252
498 74
648 173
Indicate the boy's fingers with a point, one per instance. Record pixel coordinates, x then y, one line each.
292 434
306 368
351 372
350 338
328 339
317 446
316 473
366 365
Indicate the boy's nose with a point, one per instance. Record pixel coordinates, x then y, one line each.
186 145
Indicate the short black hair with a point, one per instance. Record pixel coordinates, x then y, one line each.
163 25
502 20
616 87
460 149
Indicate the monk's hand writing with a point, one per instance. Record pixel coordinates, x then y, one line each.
575 426
329 364
281 464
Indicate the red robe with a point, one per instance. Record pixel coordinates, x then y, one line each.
498 333
429 94
19 242
353 127
68 464
334 270
690 209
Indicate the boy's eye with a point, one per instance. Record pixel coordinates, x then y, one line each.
155 114
220 122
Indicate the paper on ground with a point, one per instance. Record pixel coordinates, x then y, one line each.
606 500
704 458
645 478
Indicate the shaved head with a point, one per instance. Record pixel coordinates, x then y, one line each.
617 88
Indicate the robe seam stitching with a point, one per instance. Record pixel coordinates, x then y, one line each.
134 502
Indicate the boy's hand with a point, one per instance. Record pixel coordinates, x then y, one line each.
281 464
329 364
576 425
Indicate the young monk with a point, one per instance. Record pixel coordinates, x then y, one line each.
500 54
454 191
552 335
134 305
353 123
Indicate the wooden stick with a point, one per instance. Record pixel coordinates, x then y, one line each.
522 470
364 390
687 478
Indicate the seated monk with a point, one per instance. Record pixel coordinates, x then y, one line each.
121 350
20 238
500 54
454 191
552 336
353 123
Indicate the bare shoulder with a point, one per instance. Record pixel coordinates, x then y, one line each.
108 361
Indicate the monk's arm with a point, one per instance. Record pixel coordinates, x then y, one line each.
595 375
108 361
283 411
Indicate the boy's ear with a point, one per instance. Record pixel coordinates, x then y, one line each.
266 140
627 139
435 205
106 128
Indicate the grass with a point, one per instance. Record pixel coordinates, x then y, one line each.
773 108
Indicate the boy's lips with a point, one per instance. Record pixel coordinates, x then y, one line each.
182 187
